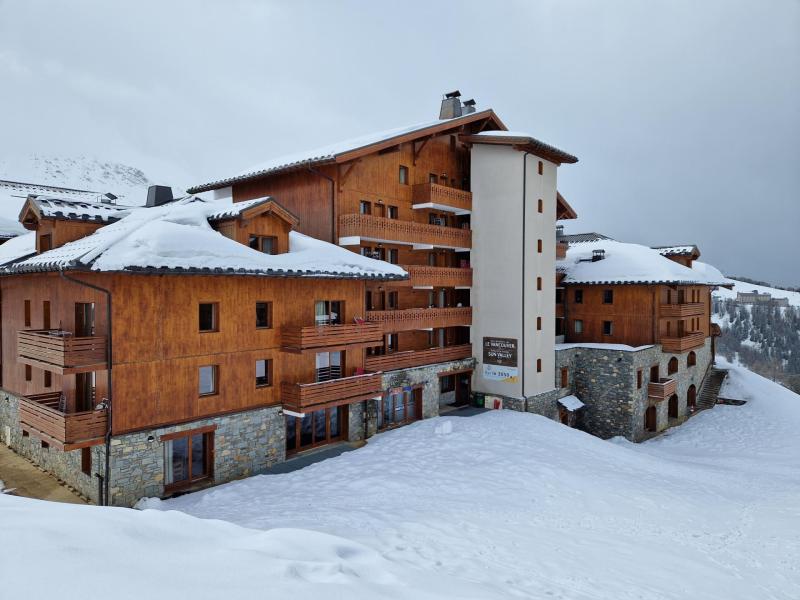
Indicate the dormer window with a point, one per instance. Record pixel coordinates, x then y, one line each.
262 243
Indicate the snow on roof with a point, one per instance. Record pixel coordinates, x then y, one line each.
10 228
571 403
624 264
328 153
178 237
60 208
579 238
18 247
686 250
229 211
593 346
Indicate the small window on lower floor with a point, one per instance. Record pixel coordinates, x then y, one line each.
188 459
538 323
578 326
538 365
564 377
608 328
639 379
263 373
208 380
263 315
86 461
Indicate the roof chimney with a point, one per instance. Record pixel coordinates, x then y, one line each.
469 106
158 195
451 106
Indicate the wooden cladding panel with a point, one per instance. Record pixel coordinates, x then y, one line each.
688 309
409 232
683 343
61 352
424 193
421 318
407 359
300 396
310 337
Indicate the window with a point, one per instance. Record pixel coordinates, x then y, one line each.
265 244
538 365
315 428
691 359
28 373
264 372
578 326
433 178
399 408
207 316
208 377
365 208
539 283
431 259
86 461
403 175
329 365
328 312
447 384
639 379
578 296
393 256
541 168
564 377
538 323
27 313
608 328
85 391
559 295
608 296
541 205
46 314
48 379
672 366
263 315
391 342
393 302
84 319
45 242
539 246
392 212
188 458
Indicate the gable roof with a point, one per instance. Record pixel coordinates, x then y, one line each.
49 207
252 208
523 141
350 149
177 238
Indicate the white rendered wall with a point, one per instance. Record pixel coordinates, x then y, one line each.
498 270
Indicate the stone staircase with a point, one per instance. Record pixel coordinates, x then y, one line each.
710 390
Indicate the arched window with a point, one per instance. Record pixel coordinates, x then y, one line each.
672 366
691 359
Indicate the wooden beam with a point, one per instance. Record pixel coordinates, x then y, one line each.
342 176
418 150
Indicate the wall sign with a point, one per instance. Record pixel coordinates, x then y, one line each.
500 359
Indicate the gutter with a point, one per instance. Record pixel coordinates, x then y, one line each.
105 499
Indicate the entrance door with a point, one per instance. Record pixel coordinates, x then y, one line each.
672 409
650 419
463 386
84 319
691 398
84 391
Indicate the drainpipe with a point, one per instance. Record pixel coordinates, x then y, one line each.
333 200
524 253
107 477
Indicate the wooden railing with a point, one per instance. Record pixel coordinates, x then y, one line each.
420 318
408 232
416 358
662 389
320 336
423 275
561 250
302 396
433 193
686 309
59 351
40 415
684 342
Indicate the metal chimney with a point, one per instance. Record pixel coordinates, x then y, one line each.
451 106
158 195
469 106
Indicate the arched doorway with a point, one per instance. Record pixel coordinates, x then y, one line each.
691 398
672 408
650 419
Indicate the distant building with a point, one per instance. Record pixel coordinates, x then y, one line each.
762 299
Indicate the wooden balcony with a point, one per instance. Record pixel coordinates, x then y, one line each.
416 358
420 318
686 309
683 343
40 416
58 351
313 337
304 397
441 197
423 276
561 250
662 389
353 228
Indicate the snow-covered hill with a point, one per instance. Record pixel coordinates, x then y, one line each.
743 286
500 505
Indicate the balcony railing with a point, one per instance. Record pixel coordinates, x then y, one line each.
300 397
684 342
686 309
420 318
382 229
416 358
662 389
561 250
298 339
433 195
41 416
61 352
425 276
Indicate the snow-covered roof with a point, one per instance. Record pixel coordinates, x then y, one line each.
599 346
177 237
571 403
625 263
18 247
579 238
329 153
79 210
10 228
686 250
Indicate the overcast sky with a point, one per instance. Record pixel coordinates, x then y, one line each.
685 115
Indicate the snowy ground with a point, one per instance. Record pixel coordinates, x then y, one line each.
506 505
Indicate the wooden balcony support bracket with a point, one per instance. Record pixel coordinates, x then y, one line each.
344 170
417 150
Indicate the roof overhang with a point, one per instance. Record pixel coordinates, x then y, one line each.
267 207
563 209
523 143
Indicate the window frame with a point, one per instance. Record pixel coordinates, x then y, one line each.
214 317
577 296
577 325
267 373
364 207
260 240
208 438
214 380
402 175
608 296
610 328
539 284
268 305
